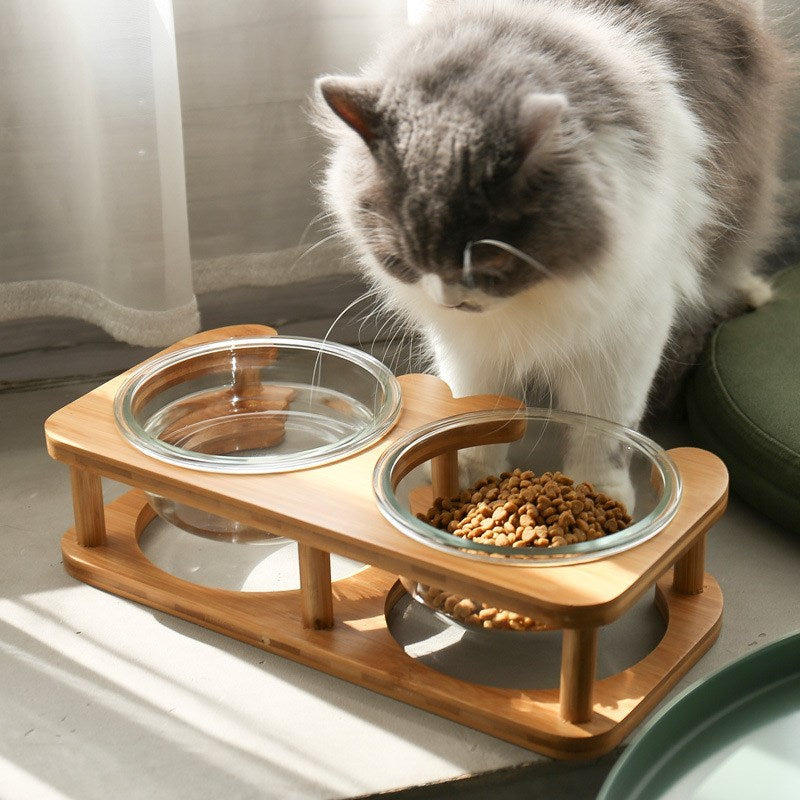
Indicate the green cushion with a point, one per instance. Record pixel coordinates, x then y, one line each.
743 402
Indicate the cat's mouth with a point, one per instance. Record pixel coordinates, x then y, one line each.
464 306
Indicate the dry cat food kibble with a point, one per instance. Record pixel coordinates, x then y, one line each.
481 614
520 509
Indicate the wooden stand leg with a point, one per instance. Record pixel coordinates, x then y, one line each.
315 587
578 664
444 474
247 382
687 575
87 502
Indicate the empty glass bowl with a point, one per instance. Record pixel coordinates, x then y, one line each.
620 462
255 405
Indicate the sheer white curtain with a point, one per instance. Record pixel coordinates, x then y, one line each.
247 69
93 220
99 150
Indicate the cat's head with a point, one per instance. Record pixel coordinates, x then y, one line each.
425 173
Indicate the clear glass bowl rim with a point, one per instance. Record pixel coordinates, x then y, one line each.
384 420
639 532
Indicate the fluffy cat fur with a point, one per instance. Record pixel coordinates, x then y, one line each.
629 149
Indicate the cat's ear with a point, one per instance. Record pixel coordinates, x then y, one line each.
540 121
354 100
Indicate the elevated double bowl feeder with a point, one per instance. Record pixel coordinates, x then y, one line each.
248 434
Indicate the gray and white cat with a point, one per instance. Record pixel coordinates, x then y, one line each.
620 159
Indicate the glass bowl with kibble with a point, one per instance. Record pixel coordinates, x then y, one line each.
526 487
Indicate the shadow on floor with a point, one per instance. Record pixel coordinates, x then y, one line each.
550 781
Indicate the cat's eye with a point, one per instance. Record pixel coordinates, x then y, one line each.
396 267
498 267
486 267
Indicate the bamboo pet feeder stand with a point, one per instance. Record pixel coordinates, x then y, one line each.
340 628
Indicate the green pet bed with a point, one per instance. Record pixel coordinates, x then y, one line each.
743 402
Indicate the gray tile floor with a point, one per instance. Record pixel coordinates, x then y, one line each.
105 697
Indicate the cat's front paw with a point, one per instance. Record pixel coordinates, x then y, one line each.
609 479
618 488
756 291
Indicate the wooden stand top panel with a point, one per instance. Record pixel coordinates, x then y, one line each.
333 508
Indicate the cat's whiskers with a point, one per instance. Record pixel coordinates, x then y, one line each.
388 321
315 372
393 317
414 351
380 308
363 318
322 216
569 362
395 358
368 317
512 370
394 329
312 248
